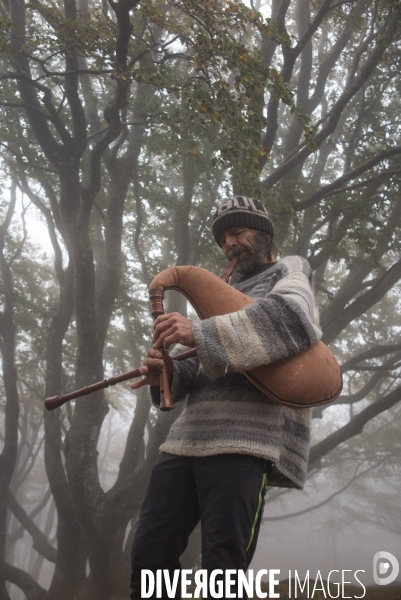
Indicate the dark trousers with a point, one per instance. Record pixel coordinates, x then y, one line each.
225 492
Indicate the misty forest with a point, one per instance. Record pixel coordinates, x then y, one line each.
122 123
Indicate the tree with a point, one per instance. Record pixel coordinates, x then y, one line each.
199 97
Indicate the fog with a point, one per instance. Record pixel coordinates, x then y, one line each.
122 125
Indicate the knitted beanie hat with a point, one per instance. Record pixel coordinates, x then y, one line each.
241 211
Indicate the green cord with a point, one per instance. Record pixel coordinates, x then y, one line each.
257 511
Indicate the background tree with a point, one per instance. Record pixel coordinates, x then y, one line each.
121 126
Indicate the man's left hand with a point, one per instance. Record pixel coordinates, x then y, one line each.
172 328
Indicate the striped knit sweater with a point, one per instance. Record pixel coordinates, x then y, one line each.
225 413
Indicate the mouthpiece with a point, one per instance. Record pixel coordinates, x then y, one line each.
229 270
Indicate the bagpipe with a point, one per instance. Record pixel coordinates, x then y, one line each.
309 378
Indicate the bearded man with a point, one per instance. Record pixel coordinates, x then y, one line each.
230 441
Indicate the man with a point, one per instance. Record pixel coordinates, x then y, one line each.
230 440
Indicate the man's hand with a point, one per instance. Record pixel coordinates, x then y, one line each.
168 329
172 328
151 369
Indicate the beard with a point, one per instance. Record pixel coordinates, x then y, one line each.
250 258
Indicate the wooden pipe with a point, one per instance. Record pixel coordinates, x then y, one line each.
156 297
156 300
57 401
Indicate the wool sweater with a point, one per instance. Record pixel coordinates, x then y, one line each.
225 413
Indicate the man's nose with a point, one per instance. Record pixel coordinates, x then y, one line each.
231 241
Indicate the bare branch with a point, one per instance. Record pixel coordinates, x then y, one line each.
374 352
336 185
333 117
23 240
31 589
19 532
363 302
355 476
354 427
40 542
34 198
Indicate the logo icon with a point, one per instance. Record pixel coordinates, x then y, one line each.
381 566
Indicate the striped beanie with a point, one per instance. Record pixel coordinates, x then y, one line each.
241 211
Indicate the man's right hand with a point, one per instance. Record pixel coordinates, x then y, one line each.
151 369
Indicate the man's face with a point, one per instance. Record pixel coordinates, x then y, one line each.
235 240
243 242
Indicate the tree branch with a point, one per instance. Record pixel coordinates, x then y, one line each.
335 185
328 499
386 38
31 589
39 540
34 198
363 303
374 352
19 532
354 427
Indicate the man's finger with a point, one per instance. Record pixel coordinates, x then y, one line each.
174 338
162 323
168 338
163 327
162 318
153 362
158 343
143 370
138 384
161 339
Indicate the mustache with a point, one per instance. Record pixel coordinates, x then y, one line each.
249 258
236 252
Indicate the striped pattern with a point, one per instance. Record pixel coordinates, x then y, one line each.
225 413
240 211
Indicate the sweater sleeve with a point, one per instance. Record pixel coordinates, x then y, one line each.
183 376
279 325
